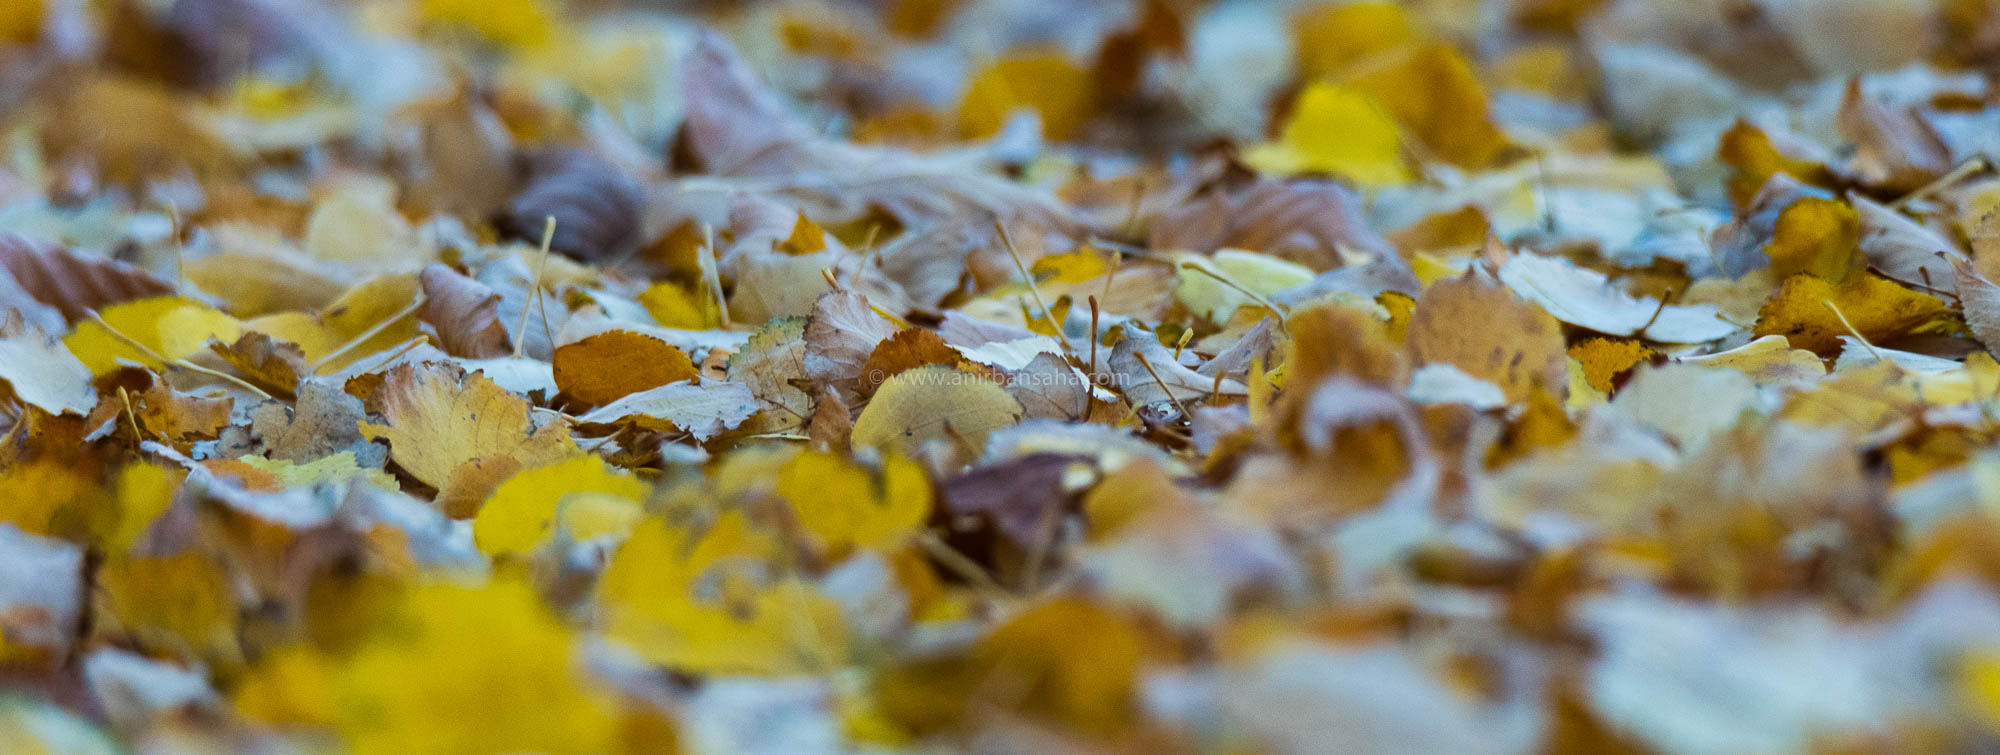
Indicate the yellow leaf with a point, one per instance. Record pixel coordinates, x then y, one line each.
1876 307
1434 94
49 497
1331 37
841 504
169 326
21 21
460 433
181 604
1046 82
1753 159
520 513
934 402
677 306
525 24
1603 359
1979 686
450 649
807 238
1073 267
1338 130
738 619
378 312
1819 237
144 493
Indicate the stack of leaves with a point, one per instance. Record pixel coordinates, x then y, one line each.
999 375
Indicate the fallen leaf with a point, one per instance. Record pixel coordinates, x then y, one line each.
460 433
1518 346
43 373
523 510
463 312
616 363
935 402
1803 311
702 410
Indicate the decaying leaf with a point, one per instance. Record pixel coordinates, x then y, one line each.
460 433
1519 348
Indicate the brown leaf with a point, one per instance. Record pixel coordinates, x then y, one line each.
1020 495
463 312
268 363
908 348
1049 387
1894 149
832 423
596 206
181 417
610 365
322 422
1478 325
69 282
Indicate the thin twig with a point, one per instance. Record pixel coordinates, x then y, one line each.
1033 289
164 361
1143 362
705 257
370 333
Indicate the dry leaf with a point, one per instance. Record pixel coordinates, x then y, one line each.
460 433
610 365
1516 345
702 410
463 312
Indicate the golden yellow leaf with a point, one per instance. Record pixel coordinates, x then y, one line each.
1067 661
1046 82
1434 94
1819 237
523 509
460 433
527 24
742 620
21 21
1604 358
449 649
1876 308
1753 159
840 503
180 604
1337 130
373 316
677 306
170 327
1332 36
